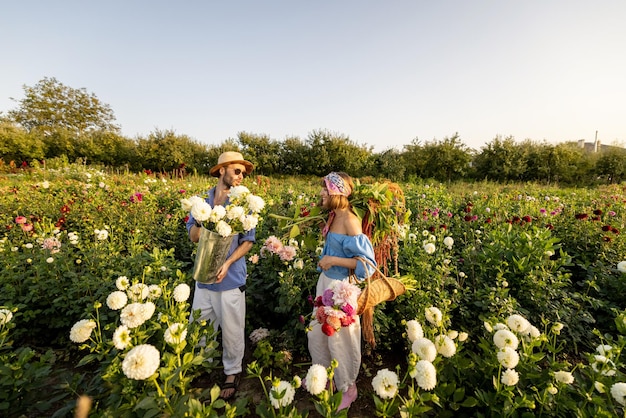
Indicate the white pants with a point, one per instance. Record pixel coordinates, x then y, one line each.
225 310
344 345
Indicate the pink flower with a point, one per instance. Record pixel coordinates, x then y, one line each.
254 258
273 244
20 220
51 244
320 315
137 197
348 309
27 227
287 253
346 321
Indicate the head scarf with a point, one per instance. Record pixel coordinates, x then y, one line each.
336 185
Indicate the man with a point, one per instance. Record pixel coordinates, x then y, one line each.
223 303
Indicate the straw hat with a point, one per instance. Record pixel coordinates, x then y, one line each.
227 158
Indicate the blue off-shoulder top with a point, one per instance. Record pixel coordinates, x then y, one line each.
348 246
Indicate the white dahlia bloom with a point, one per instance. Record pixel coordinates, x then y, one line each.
138 292
117 300
385 384
564 377
429 248
235 212
201 211
505 338
175 333
122 283
141 362
217 214
534 332
510 377
223 228
618 391
121 337
133 315
238 192
255 203
282 394
5 316
445 345
518 324
425 375
434 315
316 379
101 234
414 330
250 222
508 357
424 349
182 292
154 291
186 204
81 331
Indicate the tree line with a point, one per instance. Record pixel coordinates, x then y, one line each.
54 122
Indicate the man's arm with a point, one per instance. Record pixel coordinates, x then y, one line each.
241 251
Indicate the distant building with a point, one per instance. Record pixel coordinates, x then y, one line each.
597 146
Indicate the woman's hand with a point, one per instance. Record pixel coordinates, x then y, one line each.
326 262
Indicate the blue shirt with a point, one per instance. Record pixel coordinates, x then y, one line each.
348 246
237 272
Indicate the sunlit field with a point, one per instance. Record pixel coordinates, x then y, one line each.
514 303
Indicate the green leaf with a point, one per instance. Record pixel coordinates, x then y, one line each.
148 402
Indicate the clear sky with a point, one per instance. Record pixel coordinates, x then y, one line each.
382 73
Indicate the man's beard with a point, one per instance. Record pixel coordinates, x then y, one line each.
228 182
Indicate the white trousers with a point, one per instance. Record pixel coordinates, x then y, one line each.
226 311
344 345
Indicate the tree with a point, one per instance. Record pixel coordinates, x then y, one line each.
49 105
612 164
446 160
335 152
293 156
17 145
167 151
501 160
262 151
388 164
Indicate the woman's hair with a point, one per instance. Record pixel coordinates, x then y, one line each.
340 201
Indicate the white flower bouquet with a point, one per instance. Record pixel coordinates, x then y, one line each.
219 225
240 215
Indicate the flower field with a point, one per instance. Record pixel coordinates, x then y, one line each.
514 304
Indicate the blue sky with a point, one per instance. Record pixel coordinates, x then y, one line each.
382 73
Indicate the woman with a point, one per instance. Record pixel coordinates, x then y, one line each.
344 240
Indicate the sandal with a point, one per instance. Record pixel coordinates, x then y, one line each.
231 385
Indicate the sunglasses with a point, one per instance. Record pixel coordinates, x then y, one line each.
238 171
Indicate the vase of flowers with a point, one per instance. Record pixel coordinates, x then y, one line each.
219 226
